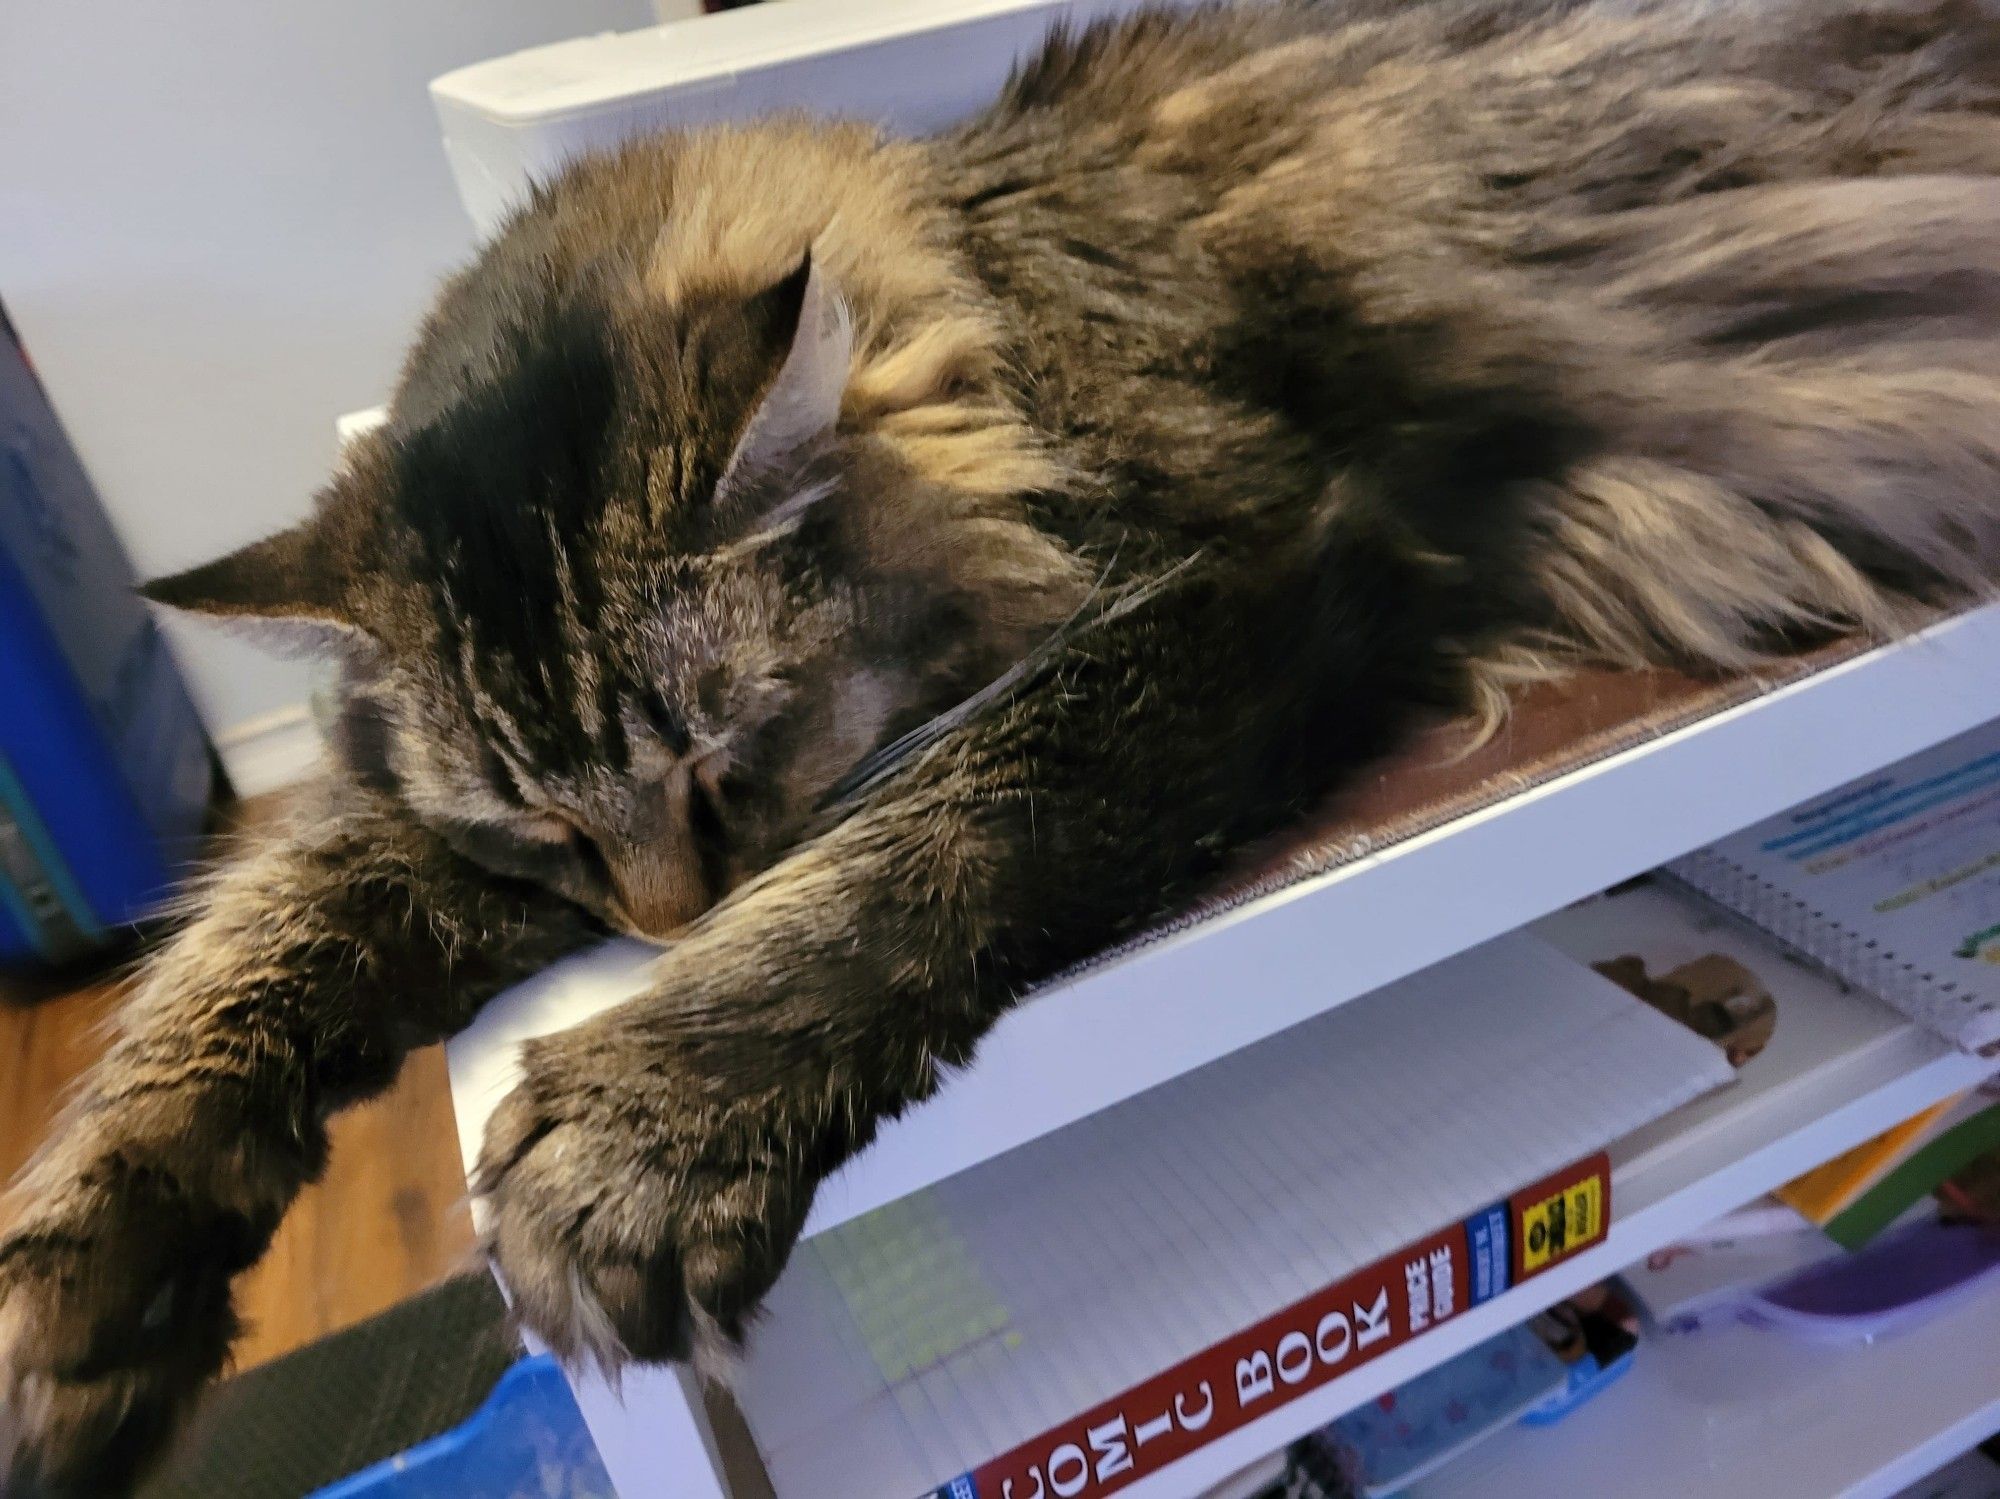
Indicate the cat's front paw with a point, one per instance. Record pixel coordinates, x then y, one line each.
114 1314
637 1209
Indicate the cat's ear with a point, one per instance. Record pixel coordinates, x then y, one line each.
802 402
284 590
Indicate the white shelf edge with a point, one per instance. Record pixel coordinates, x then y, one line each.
667 1448
1248 974
1927 1410
1232 981
557 81
1928 1392
655 1440
657 1433
1927 1457
1649 1209
912 65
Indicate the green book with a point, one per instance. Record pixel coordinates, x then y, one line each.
1916 1178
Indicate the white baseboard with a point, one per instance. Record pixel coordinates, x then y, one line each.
271 751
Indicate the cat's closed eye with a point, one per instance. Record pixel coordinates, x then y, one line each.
590 860
527 850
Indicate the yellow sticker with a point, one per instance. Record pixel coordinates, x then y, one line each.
1562 1223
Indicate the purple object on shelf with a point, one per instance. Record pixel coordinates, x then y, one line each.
1902 1279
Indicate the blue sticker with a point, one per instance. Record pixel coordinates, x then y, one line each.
1491 1264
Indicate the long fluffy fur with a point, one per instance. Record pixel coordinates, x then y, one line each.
1750 250
1383 353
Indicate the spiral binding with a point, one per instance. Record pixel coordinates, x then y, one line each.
1943 1005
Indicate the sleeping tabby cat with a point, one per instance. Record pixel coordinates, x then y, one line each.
892 569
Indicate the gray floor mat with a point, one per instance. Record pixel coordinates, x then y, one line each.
335 1406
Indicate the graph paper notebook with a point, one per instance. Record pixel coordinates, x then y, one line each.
1892 882
957 1326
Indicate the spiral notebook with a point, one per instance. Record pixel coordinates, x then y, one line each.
1891 882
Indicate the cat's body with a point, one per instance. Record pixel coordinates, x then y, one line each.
1258 378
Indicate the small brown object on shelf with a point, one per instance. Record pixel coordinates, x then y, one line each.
1713 996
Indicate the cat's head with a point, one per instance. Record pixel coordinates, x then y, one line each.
618 598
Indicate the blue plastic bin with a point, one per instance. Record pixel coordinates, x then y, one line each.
528 1441
105 772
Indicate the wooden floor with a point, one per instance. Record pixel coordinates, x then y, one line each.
388 1218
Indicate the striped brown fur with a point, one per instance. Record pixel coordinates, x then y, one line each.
1244 381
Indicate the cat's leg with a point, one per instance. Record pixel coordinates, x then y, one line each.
648 1177
316 964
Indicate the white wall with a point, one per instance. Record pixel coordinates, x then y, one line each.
219 221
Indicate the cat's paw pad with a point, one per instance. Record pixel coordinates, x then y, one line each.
628 1229
113 1317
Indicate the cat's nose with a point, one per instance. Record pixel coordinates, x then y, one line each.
658 895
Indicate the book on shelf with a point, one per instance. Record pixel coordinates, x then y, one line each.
1891 882
1830 1188
1813 1028
1097 1304
1315 1340
1966 1131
